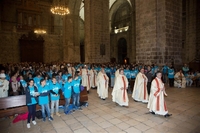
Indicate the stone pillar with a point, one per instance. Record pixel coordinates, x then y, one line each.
97 31
71 40
173 24
191 25
158 38
146 48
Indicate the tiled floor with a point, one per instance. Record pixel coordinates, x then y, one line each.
105 117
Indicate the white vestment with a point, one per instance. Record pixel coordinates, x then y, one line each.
71 70
102 85
93 78
116 74
86 78
179 80
119 92
156 102
4 86
140 88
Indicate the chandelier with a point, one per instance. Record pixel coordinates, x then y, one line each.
40 31
59 8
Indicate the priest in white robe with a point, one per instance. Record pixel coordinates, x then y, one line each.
140 93
4 86
86 78
119 93
71 70
93 78
156 104
179 80
102 84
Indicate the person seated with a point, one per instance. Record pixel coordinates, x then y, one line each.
179 80
189 76
196 78
14 87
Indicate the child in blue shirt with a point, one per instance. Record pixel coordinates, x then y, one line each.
171 76
76 92
67 91
31 101
44 99
54 87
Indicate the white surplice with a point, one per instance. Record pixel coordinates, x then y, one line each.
120 95
93 78
4 86
102 85
156 102
140 88
86 78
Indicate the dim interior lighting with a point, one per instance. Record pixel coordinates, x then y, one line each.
121 29
59 9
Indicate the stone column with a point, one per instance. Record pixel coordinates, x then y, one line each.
146 48
97 30
191 25
158 38
71 50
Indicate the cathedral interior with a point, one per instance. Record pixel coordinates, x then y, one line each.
99 31
103 31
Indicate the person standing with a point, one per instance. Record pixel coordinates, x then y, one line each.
171 76
54 87
4 86
140 87
102 84
67 91
119 93
31 101
185 69
149 76
156 104
76 91
93 77
37 79
86 78
44 99
164 73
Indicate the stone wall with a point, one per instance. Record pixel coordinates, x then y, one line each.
96 30
9 47
146 48
158 38
192 45
173 31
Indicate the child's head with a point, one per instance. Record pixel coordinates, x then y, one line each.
69 79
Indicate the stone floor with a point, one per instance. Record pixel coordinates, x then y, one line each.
105 117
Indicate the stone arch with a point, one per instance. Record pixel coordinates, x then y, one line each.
122 50
127 19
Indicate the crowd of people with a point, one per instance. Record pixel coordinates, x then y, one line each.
41 82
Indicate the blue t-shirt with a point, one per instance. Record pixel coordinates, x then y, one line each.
24 84
165 69
54 87
76 85
134 73
170 73
48 82
32 92
43 99
37 81
67 90
127 73
65 77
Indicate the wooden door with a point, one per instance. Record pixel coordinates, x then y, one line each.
31 49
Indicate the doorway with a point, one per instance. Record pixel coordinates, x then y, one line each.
122 51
